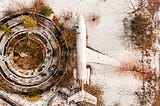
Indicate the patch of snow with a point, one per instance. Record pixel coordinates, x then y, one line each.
117 87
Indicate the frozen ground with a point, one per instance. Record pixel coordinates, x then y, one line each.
118 88
105 36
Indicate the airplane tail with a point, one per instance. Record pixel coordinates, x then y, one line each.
83 96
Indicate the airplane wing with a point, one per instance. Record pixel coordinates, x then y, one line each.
94 56
83 96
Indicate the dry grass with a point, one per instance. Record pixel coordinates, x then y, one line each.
33 98
157 99
38 6
33 92
68 34
95 91
58 24
65 17
33 95
28 53
153 6
68 78
141 36
3 83
139 28
70 37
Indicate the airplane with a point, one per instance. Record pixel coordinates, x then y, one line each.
86 55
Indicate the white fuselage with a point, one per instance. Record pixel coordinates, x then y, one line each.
81 74
81 49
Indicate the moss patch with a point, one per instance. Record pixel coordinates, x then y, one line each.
6 30
46 11
34 98
29 22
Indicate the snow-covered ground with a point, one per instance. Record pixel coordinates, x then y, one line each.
118 88
105 37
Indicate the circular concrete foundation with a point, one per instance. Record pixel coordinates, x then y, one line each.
32 60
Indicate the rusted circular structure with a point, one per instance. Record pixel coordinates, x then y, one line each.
32 60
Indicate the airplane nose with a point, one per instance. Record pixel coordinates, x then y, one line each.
81 19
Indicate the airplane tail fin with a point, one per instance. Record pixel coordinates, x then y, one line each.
83 96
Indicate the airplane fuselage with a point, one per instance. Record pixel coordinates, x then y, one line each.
81 72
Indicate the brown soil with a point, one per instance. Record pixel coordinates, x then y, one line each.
68 78
153 6
28 52
157 99
97 92
136 70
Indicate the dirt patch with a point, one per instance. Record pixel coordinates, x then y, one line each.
68 78
153 6
28 52
136 70
95 91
